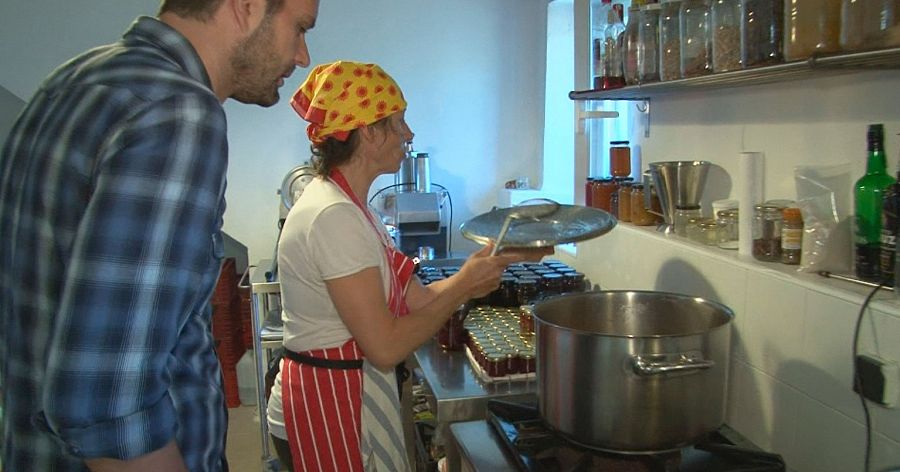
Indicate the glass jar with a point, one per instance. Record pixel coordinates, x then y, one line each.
762 30
624 192
602 190
589 192
526 319
767 232
695 38
573 282
728 228
648 44
495 363
682 217
527 290
619 159
632 44
704 231
452 336
726 37
869 24
791 236
639 215
811 27
551 284
670 40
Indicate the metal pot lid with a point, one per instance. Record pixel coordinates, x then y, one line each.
293 184
567 224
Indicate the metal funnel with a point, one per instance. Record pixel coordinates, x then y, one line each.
679 184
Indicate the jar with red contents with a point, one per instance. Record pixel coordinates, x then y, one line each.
619 159
602 191
452 336
589 192
526 319
495 363
526 362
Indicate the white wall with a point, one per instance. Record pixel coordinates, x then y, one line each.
472 71
790 385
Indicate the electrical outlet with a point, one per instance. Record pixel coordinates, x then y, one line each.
879 379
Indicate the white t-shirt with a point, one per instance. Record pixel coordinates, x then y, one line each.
325 236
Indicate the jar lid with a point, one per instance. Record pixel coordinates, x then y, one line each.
729 213
618 143
706 223
650 6
637 185
792 214
768 208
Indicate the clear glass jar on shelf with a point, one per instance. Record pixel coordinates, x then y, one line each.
683 217
762 32
632 44
767 220
696 44
728 228
811 27
648 43
726 37
704 231
670 40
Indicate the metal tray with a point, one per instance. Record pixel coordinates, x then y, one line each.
568 224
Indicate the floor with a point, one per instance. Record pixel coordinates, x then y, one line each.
243 448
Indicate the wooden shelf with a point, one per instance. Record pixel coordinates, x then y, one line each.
817 66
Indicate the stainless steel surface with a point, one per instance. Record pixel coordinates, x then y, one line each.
459 394
524 211
293 184
260 291
587 346
569 223
481 450
423 172
679 184
813 67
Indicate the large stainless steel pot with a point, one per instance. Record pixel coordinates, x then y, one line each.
632 371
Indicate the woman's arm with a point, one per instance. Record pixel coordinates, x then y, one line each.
386 340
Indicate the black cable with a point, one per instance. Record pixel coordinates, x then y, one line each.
857 379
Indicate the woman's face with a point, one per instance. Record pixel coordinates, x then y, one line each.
393 148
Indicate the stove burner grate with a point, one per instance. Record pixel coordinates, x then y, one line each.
537 448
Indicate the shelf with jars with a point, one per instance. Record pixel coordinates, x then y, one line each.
815 66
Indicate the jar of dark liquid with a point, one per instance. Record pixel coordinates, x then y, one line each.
452 336
527 291
551 284
573 282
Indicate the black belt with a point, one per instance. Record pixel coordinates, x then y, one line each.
343 364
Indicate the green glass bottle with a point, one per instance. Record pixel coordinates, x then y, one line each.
868 194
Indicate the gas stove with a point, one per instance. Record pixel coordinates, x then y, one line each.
534 447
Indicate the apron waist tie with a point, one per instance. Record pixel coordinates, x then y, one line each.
342 364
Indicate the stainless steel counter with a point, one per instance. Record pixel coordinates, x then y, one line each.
457 394
480 449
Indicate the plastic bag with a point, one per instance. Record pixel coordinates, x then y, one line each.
824 196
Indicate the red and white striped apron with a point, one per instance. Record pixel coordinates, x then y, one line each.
335 417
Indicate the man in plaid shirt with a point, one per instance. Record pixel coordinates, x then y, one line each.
112 189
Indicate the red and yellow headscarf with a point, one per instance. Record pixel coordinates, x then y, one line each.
339 97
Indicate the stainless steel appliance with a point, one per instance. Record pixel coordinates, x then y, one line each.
632 371
420 215
679 185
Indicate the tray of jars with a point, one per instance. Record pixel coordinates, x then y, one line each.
500 343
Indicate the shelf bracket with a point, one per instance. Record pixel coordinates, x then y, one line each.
581 115
643 106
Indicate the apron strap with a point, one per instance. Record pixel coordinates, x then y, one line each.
342 364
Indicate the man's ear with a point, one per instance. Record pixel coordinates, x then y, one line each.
246 14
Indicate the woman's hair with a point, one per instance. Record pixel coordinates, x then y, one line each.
204 10
331 153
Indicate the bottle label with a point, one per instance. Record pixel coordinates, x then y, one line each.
867 262
791 238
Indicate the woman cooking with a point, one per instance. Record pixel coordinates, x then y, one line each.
353 309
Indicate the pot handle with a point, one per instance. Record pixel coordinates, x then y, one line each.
656 364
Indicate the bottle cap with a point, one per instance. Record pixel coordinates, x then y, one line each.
792 214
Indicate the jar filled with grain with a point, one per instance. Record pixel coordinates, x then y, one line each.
811 27
696 44
648 43
762 30
726 38
767 221
670 40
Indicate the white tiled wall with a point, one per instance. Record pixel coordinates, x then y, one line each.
790 386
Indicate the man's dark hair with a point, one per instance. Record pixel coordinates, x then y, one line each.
203 10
